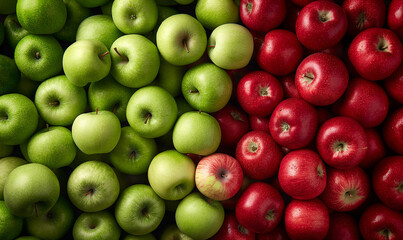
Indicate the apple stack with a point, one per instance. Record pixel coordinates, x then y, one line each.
201 119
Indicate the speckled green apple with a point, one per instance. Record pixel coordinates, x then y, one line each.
11 226
97 225
8 164
212 13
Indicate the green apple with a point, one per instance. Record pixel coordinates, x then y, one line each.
41 16
10 225
212 13
99 27
53 147
172 232
76 13
135 60
27 87
196 132
133 153
172 175
230 46
7 6
181 39
207 87
139 210
82 158
13 30
183 106
170 77
135 16
39 57
86 61
10 75
92 3
18 118
59 101
7 165
96 132
93 186
54 224
94 226
5 150
31 190
27 238
110 95
151 111
165 12
148 236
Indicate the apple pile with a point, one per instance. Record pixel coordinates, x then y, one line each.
201 119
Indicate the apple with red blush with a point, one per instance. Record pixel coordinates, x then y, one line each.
393 85
393 131
288 83
303 3
376 148
342 226
230 203
395 17
277 234
231 229
259 123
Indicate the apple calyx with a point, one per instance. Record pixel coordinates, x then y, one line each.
360 21
133 16
308 78
285 127
90 192
132 155
54 103
222 174
351 196
271 215
103 54
242 229
325 16
120 55
320 171
193 91
37 55
399 187
340 146
264 91
148 117
249 6
253 146
236 115
386 233
383 45
145 212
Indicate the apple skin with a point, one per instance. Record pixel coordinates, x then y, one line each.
218 176
321 79
258 154
96 225
376 148
346 189
11 225
271 55
293 123
360 94
260 208
302 3
261 15
394 17
343 226
13 31
393 85
375 53
379 222
231 229
11 77
288 84
392 131
321 25
342 142
258 93
212 14
170 232
276 234
7 165
387 181
306 219
258 123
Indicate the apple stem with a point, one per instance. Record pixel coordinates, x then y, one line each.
148 116
96 111
199 111
91 191
124 57
186 46
37 55
308 78
383 44
211 46
115 108
193 91
47 127
104 54
132 155
54 103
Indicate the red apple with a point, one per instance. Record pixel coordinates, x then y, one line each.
306 219
288 83
364 14
394 84
342 226
262 15
321 25
195 157
376 53
277 234
395 17
260 208
342 142
280 53
387 181
291 16
324 114
259 92
293 123
231 229
379 222
321 79
365 101
302 174
218 176
258 123
393 131
258 154
302 3
376 148
230 203
346 189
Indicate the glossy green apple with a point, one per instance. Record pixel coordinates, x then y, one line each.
170 77
18 118
27 87
93 186
230 46
41 16
31 190
13 30
139 210
39 57
212 13
183 106
10 76
10 225
171 175
210 216
172 232
97 225
8 164
92 3
196 132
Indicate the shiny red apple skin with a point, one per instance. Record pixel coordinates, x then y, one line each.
376 148
302 174
321 25
293 123
262 15
393 131
365 101
259 92
342 142
306 219
280 53
342 226
387 181
258 123
277 234
379 222
364 14
321 79
288 83
231 230
395 17
393 85
375 53
222 168
303 3
291 16
257 202
258 154
346 189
